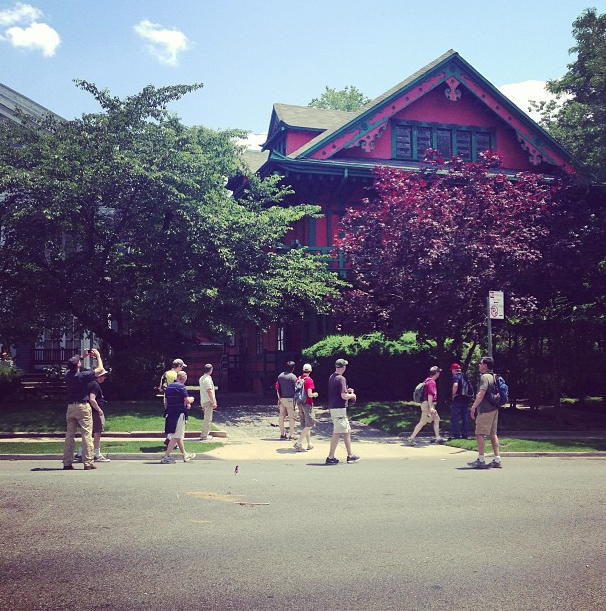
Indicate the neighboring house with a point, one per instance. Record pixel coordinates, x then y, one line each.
328 158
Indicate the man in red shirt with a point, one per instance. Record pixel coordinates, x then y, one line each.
428 407
306 413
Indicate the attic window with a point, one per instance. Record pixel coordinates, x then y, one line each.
411 140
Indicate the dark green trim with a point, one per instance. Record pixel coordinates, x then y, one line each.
452 127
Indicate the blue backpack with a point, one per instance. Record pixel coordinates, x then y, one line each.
500 393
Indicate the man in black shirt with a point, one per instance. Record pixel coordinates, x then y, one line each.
79 413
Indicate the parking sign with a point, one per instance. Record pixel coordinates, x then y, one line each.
496 304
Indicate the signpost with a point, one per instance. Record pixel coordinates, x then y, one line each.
496 310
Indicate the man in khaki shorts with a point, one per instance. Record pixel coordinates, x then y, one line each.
488 416
339 395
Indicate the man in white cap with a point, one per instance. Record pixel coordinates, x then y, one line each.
339 396
429 413
306 410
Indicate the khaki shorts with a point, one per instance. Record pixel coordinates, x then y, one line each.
288 405
180 430
486 423
426 417
340 422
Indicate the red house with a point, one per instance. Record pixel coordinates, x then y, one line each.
328 158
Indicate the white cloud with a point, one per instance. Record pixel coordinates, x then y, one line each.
36 36
164 44
26 31
19 13
253 141
521 93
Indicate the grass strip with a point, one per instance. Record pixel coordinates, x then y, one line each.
509 444
109 448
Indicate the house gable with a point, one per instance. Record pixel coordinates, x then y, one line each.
451 79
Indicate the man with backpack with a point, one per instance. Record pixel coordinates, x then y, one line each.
305 393
462 395
429 402
487 405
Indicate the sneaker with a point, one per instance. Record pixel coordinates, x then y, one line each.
478 464
77 458
68 468
188 457
332 461
166 460
101 458
439 440
207 438
310 446
283 437
297 446
352 458
89 467
496 465
411 441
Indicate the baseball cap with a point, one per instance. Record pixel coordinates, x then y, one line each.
455 366
341 363
307 367
103 372
178 362
434 369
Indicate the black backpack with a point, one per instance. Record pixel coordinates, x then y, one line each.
465 388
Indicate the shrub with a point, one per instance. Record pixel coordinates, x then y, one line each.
10 378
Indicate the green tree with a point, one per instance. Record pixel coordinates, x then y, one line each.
121 219
578 118
349 98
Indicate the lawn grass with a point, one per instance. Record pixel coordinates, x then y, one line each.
508 444
109 448
398 417
120 416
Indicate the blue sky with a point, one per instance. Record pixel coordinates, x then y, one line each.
250 54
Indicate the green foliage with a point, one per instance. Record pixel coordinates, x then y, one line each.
578 120
349 98
10 379
122 217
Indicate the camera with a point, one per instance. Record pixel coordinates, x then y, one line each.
91 353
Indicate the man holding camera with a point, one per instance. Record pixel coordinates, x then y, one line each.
79 411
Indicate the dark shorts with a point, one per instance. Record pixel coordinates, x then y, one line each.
306 415
97 424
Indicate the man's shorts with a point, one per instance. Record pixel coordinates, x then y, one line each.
97 423
306 415
289 406
180 430
426 417
340 422
486 423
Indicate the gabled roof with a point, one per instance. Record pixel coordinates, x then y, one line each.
362 127
11 102
303 118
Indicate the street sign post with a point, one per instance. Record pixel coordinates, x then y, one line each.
495 310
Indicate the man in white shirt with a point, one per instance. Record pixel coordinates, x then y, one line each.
207 401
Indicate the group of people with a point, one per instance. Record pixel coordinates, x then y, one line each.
339 396
86 402
484 412
177 404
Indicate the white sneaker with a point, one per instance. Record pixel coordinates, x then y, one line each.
101 458
297 446
207 438
167 460
188 457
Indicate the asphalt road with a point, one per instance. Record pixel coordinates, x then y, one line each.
417 533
